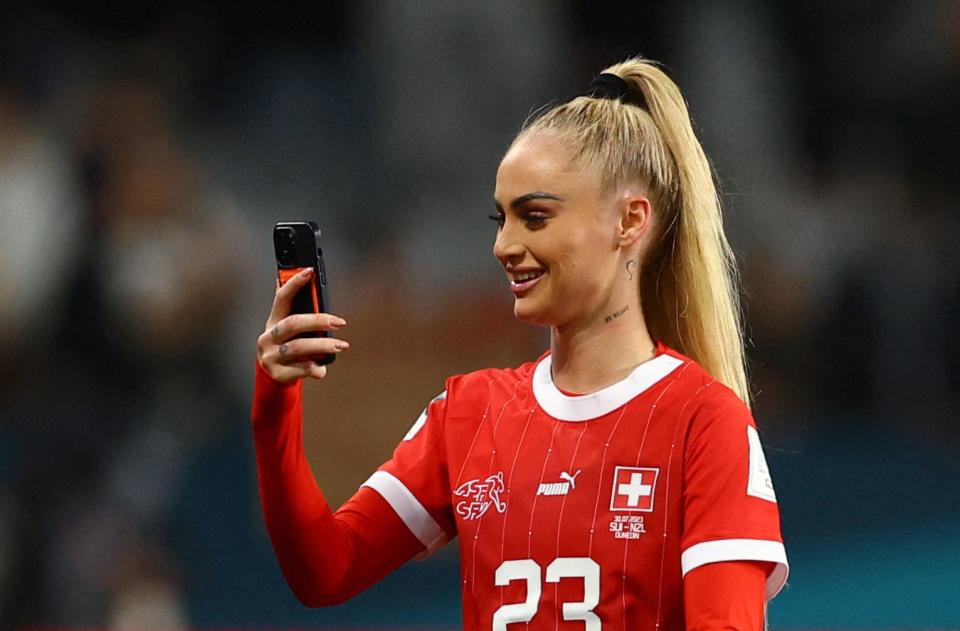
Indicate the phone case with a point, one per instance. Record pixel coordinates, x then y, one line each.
297 246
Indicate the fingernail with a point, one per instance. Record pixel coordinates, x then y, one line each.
306 272
338 321
341 345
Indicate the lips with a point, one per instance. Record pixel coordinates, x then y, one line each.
523 281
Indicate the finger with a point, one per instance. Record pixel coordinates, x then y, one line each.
316 371
283 299
289 374
301 370
295 351
298 323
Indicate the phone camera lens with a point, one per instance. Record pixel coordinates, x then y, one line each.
286 244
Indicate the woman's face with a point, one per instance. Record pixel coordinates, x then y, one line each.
563 242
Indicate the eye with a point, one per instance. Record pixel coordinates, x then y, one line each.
535 219
498 218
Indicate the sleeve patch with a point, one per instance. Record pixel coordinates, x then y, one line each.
422 419
759 483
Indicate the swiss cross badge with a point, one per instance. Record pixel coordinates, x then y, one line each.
633 489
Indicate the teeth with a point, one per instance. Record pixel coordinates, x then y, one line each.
525 276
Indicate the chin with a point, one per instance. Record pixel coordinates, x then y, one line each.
529 311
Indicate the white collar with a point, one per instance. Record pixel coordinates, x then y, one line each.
594 405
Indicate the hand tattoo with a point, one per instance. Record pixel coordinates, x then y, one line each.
275 331
616 314
283 349
631 263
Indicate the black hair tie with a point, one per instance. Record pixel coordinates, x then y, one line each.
610 86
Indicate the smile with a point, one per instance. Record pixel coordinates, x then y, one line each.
522 282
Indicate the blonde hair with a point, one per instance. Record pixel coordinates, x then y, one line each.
689 287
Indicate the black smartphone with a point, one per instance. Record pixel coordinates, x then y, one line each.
297 246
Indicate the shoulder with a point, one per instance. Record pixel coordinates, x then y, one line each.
490 379
702 400
489 383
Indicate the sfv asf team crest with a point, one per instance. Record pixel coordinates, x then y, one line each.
634 488
481 495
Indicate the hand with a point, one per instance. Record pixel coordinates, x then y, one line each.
286 359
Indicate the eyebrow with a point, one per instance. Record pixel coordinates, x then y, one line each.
523 199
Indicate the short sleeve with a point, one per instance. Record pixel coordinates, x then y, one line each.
414 481
730 508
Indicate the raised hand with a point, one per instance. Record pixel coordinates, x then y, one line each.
287 359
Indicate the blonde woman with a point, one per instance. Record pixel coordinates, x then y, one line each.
618 481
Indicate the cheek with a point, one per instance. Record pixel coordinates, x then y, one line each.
580 261
588 247
575 264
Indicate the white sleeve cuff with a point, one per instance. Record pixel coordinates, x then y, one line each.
409 509
741 550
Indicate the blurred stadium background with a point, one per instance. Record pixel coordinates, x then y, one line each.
146 149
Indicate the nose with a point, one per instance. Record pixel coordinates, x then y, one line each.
506 247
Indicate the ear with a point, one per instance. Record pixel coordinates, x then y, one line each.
636 217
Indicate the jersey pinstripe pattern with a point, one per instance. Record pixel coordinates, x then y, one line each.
655 472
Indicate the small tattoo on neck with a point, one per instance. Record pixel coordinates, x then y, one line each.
616 314
631 264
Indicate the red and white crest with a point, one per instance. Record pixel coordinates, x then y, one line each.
481 496
634 488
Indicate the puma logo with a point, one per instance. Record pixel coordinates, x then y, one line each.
571 478
559 488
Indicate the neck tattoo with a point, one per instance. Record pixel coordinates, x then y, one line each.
616 314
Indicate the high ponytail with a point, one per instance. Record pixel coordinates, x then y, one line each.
689 288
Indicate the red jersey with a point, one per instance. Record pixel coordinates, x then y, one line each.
586 509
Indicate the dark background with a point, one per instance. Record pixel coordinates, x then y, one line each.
146 151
